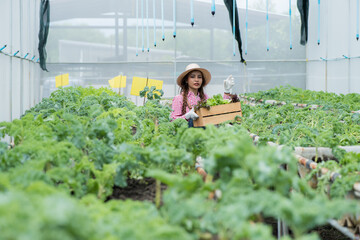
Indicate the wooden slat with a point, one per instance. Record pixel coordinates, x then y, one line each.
220 109
218 114
216 119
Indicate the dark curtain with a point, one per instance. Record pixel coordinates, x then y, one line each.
303 7
44 31
229 6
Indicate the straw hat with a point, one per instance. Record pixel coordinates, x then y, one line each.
193 67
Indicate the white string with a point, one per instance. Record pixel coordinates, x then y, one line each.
246 26
137 27
147 26
174 17
142 24
234 27
162 20
154 13
192 12
267 25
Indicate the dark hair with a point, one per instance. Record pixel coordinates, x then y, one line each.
184 90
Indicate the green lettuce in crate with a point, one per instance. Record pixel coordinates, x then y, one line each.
215 101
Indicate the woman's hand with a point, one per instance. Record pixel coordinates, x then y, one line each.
228 84
191 114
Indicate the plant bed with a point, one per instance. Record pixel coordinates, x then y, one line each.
327 232
137 189
218 114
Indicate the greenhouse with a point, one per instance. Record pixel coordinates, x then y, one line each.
180 119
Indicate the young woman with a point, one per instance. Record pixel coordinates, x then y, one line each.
192 82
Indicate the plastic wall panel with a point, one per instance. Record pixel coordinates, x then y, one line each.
338 28
26 87
37 70
337 77
5 20
25 46
16 63
338 45
315 51
354 50
15 28
5 97
33 34
17 75
24 27
354 44
337 39
16 88
355 76
5 38
37 83
316 79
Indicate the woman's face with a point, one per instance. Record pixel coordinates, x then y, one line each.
195 80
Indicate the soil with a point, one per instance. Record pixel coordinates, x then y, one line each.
137 189
326 232
329 233
144 190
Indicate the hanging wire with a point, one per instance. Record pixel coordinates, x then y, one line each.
234 27
357 20
154 13
147 26
137 27
192 12
290 25
142 24
267 25
174 18
162 20
17 55
3 48
246 26
338 58
318 42
213 7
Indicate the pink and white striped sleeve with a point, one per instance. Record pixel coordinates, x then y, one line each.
177 107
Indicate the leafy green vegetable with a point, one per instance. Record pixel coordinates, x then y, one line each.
71 149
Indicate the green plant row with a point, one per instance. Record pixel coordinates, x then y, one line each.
288 94
302 127
331 126
71 149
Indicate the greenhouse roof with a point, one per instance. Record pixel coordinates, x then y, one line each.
63 10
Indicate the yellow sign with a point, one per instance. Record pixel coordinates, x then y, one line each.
118 82
138 84
62 80
157 83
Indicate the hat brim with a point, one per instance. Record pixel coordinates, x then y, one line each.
206 74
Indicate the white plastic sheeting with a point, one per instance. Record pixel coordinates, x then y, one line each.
19 77
96 41
334 72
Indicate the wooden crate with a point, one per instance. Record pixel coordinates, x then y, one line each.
218 114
